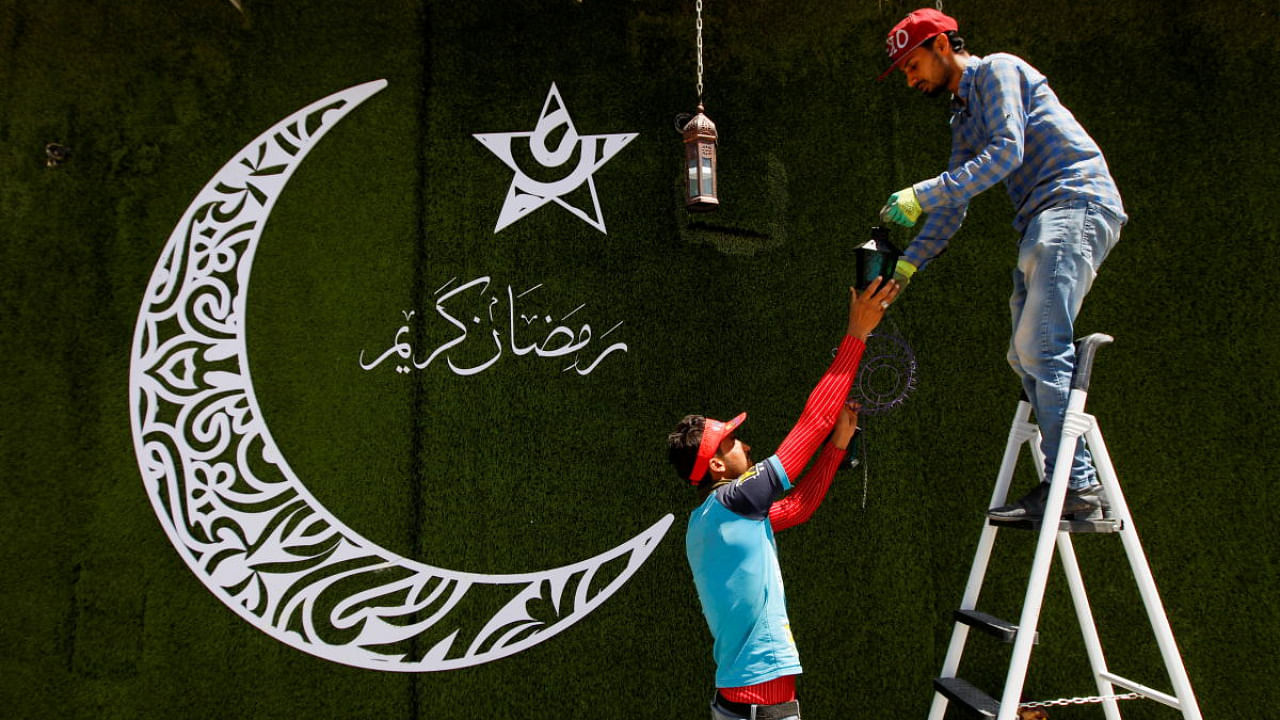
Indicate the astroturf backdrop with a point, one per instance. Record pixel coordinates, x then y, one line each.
524 466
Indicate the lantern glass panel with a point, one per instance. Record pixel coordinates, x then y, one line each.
693 176
706 176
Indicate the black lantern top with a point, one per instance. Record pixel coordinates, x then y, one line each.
876 258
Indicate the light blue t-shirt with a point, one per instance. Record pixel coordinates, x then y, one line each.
734 559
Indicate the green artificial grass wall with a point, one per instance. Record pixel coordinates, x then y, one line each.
525 466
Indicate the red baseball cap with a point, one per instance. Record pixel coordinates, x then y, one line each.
913 31
713 432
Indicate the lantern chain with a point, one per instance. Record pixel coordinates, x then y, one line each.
699 6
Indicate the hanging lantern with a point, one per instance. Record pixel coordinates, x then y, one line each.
699 134
700 163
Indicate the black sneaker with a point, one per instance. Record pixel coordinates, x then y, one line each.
1087 504
1095 494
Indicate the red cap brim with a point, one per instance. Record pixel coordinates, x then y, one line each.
903 56
713 433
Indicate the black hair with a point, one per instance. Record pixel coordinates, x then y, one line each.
957 42
683 443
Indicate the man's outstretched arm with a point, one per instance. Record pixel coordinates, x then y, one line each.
866 309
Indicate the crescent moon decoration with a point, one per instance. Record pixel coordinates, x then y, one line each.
238 515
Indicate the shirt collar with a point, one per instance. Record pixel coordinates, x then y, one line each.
960 99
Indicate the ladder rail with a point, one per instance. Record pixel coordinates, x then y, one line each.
1156 615
1143 690
1021 430
1042 561
1088 628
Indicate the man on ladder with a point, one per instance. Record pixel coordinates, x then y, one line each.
1008 125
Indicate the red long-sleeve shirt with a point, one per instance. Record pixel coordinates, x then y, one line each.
815 424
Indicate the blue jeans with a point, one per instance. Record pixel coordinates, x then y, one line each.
1058 259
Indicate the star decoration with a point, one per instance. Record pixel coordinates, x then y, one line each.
592 151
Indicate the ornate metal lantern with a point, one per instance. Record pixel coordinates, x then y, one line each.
699 134
700 163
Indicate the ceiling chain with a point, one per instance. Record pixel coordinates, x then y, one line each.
699 5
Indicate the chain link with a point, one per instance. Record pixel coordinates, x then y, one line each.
1080 700
699 5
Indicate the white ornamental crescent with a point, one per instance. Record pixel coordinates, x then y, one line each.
236 512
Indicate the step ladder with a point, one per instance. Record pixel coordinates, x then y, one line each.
950 688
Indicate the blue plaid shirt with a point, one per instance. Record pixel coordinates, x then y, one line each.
1007 124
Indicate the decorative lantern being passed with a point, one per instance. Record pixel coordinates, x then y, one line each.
877 259
700 163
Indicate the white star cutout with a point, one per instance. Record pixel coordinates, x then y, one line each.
526 194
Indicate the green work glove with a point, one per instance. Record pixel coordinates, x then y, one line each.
903 272
902 208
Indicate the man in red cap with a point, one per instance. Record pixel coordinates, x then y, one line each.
730 540
1007 125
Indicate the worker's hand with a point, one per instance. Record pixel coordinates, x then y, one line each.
902 208
867 308
846 425
903 272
